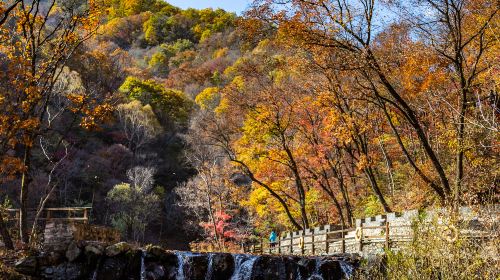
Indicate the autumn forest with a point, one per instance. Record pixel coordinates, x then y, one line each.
186 127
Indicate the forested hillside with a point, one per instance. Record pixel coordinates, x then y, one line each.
201 126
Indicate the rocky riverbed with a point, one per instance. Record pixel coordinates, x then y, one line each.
87 260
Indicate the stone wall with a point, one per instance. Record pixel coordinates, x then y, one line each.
122 261
59 234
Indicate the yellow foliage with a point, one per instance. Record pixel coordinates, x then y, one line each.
208 99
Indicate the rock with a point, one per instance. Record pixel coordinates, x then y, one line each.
116 249
222 265
28 266
122 262
268 267
112 268
48 271
133 258
94 248
73 252
50 259
306 267
291 267
65 271
195 266
155 272
330 269
168 260
155 251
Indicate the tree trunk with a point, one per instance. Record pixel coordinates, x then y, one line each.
25 181
376 189
7 240
425 143
330 193
298 183
460 147
414 122
273 193
343 191
439 191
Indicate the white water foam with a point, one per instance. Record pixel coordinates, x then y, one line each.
143 266
316 274
243 266
347 269
180 266
210 269
94 275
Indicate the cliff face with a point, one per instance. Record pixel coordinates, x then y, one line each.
120 261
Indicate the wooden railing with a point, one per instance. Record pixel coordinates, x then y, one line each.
332 242
66 214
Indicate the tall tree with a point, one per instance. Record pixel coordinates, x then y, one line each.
41 37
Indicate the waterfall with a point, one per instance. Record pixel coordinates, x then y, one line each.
316 274
243 266
94 274
299 276
180 266
347 269
210 268
143 266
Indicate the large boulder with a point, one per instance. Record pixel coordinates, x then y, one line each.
222 265
113 268
306 267
267 267
94 248
195 267
64 271
73 252
330 269
28 266
156 271
117 249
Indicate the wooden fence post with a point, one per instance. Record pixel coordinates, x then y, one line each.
312 243
387 235
279 245
85 215
361 239
302 240
262 245
342 241
327 245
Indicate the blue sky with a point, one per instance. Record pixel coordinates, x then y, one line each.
236 6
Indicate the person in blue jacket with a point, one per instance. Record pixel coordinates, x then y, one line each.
272 238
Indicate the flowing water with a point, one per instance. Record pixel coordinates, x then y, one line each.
180 266
243 266
347 269
316 274
143 266
190 264
210 269
94 274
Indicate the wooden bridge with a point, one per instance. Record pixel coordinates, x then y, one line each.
63 214
374 235
330 242
61 226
